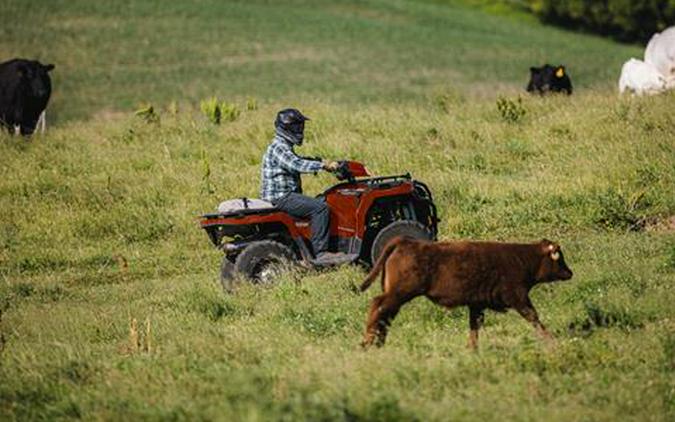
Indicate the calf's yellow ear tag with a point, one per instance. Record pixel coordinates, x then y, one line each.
560 72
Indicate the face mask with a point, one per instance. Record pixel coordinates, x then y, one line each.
297 130
293 138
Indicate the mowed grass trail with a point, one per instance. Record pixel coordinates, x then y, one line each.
111 56
110 308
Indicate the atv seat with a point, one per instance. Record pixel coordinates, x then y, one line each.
241 207
249 206
244 204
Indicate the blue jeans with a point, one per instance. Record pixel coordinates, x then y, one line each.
301 206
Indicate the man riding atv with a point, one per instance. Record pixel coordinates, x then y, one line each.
259 239
282 186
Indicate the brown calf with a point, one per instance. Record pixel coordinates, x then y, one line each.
480 275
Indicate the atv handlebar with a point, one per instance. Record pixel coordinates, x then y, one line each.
317 158
347 170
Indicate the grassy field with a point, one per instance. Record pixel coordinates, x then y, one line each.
110 56
98 226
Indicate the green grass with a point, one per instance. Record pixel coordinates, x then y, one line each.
110 56
103 187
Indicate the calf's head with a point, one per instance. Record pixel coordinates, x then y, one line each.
552 266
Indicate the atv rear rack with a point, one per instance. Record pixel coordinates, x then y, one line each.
239 213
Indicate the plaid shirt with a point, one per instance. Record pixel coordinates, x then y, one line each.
281 169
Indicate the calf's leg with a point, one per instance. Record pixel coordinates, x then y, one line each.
372 319
476 318
383 310
527 311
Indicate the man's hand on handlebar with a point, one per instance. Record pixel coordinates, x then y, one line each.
330 165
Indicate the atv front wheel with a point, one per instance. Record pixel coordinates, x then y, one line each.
405 228
264 261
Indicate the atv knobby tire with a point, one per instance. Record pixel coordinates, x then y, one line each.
263 261
406 228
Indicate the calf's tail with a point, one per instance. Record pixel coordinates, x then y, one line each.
379 265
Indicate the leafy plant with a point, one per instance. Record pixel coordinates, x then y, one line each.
605 317
147 113
172 108
229 112
511 111
211 109
217 111
251 104
447 99
618 210
206 174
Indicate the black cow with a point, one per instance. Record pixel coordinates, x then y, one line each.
549 79
25 88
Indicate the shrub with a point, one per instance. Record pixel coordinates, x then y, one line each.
211 109
446 100
626 20
217 111
230 112
511 111
617 210
251 104
147 113
605 317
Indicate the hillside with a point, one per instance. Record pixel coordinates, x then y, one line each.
111 56
99 216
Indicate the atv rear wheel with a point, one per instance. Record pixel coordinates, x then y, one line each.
406 228
263 261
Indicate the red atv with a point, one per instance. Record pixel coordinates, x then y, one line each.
365 213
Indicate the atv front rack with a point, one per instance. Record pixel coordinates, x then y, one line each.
400 177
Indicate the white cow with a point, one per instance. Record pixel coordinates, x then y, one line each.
641 78
660 53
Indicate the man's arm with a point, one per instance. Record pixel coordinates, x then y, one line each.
289 161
